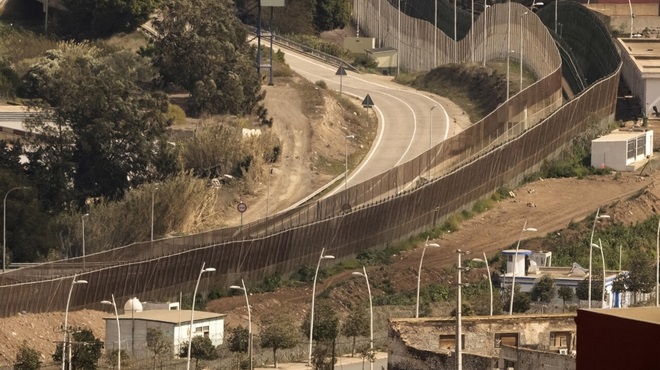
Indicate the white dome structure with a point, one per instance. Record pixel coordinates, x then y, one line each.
133 305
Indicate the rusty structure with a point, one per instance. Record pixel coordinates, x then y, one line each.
514 140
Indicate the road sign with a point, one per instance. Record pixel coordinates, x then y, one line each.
367 102
241 207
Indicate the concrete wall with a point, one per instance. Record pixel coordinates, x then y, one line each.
529 359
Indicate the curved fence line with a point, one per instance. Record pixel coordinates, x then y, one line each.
496 151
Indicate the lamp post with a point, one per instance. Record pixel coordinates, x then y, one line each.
419 272
455 37
82 219
485 14
192 311
602 257
65 342
521 49
114 305
515 260
490 281
311 316
249 310
632 17
459 329
472 33
435 35
591 244
371 314
430 138
4 227
398 42
346 155
153 198
508 47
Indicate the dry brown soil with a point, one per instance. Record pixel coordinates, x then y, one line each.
546 204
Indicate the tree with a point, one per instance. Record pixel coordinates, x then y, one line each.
566 294
239 339
582 289
521 301
641 273
202 349
85 350
326 322
27 358
111 358
356 324
544 289
202 46
331 14
96 131
277 334
158 344
91 19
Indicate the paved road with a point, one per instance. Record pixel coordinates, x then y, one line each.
404 115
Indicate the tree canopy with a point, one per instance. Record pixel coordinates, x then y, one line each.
202 46
356 325
27 358
202 349
85 350
279 334
544 289
86 19
96 130
326 322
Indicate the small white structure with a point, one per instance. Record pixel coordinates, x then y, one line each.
622 150
357 45
175 325
386 57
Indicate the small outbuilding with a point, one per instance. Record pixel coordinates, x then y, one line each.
387 59
622 150
174 324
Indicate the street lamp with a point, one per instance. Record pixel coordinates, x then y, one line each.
459 329
192 311
455 38
346 154
249 310
82 218
521 49
65 342
490 281
311 316
602 257
430 138
657 264
591 244
515 260
632 17
484 15
4 226
419 272
508 47
114 305
153 198
371 314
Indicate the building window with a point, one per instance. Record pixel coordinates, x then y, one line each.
560 339
448 341
631 149
641 145
507 339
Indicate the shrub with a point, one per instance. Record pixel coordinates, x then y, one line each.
176 114
321 84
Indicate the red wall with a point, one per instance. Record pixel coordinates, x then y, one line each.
610 342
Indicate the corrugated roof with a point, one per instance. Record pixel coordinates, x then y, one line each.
169 316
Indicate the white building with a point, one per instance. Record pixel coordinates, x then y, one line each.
174 324
622 150
562 276
641 70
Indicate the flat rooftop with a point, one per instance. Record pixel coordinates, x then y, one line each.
621 136
168 316
646 314
645 53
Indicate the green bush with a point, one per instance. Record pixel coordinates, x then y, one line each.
321 84
453 223
176 114
482 205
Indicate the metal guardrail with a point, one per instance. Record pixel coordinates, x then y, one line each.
311 52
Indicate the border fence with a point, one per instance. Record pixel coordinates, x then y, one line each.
499 150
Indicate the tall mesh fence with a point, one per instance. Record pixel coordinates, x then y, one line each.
496 151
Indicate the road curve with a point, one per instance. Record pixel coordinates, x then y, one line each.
404 115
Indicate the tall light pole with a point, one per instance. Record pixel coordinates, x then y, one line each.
346 155
398 42
455 36
632 17
435 36
82 219
515 260
485 16
65 342
508 47
371 314
4 227
459 329
153 198
430 138
192 310
490 281
591 249
472 33
419 272
602 257
249 310
521 49
311 315
114 305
